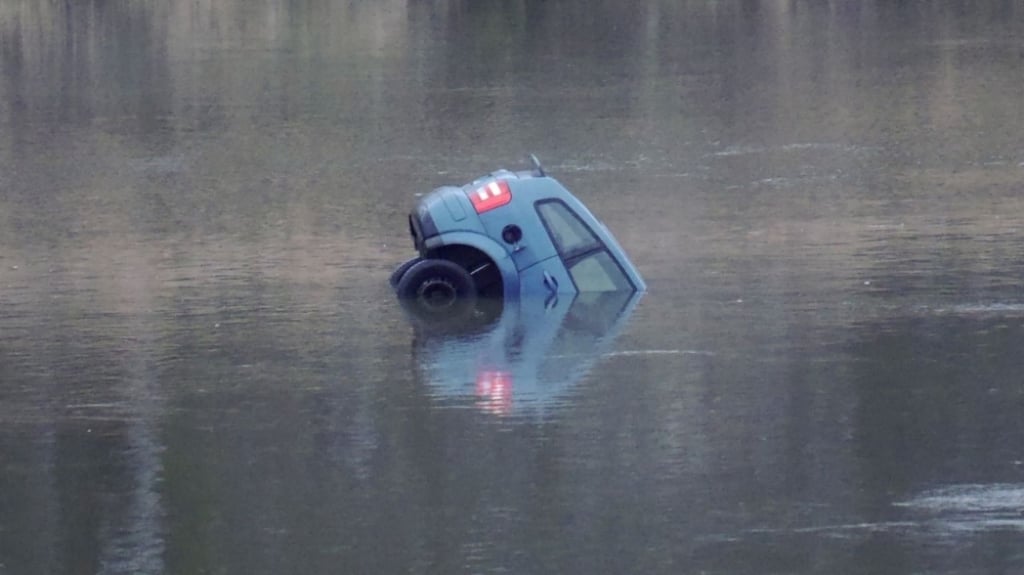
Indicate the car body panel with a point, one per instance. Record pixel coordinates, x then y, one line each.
436 215
549 275
535 246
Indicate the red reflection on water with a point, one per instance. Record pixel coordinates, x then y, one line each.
494 390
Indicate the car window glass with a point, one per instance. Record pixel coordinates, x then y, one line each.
569 234
598 272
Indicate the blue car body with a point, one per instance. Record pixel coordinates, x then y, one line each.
520 233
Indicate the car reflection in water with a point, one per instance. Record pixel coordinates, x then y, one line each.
519 357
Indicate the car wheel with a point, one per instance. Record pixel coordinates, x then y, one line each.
400 271
437 286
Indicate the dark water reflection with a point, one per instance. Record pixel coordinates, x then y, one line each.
202 371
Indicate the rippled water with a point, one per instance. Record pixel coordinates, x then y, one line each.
202 369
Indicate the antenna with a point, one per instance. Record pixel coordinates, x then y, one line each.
537 166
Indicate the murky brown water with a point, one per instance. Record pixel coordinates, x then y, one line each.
202 369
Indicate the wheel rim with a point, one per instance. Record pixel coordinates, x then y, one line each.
437 293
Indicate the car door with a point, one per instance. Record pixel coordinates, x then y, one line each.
583 262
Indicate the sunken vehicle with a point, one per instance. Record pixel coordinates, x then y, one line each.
508 235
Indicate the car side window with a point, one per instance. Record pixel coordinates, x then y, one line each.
590 265
598 272
570 235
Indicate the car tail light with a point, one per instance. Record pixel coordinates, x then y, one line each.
491 195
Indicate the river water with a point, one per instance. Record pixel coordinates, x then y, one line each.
202 369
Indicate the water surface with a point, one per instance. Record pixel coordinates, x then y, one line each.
202 369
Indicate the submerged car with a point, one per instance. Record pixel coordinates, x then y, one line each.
508 234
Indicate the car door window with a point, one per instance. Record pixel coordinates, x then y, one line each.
598 272
570 235
590 265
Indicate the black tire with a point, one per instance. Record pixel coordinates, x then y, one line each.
437 286
400 271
